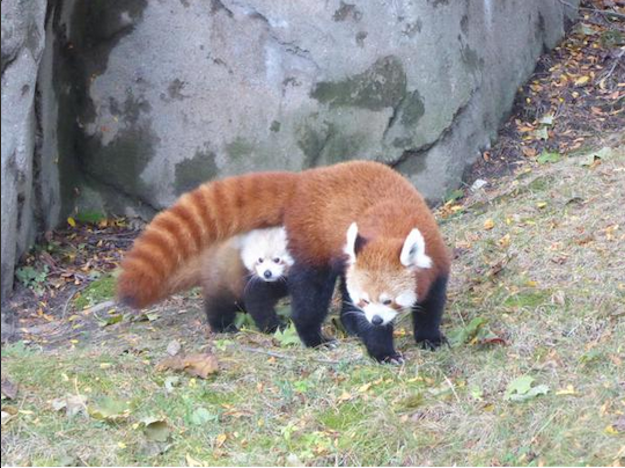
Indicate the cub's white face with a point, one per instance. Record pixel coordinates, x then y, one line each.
264 253
379 284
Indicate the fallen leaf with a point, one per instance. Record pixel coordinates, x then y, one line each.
71 221
489 224
582 80
192 461
156 430
548 157
521 389
547 119
345 396
198 364
8 413
201 416
364 388
541 133
611 430
569 390
220 440
287 337
111 320
110 410
173 347
9 389
72 404
619 425
504 241
528 152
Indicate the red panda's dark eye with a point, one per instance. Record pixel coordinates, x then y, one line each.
276 260
387 302
261 260
365 302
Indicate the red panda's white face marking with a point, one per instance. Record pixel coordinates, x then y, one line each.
264 253
380 275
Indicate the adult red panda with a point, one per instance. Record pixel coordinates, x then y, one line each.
359 219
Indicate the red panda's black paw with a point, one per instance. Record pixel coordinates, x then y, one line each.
396 359
430 343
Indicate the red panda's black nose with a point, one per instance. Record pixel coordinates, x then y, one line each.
377 320
267 274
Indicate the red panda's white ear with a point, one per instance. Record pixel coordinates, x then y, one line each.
413 252
350 246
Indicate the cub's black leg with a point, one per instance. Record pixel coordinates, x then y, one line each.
220 313
311 291
427 316
260 299
377 339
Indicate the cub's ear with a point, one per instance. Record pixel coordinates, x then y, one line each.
355 243
413 252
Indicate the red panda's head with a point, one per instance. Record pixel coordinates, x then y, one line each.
382 273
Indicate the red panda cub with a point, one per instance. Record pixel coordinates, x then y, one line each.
358 220
246 273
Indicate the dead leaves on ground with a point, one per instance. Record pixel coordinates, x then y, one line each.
523 389
196 364
576 94
9 389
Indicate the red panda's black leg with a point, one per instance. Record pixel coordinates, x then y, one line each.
221 312
260 299
350 315
378 340
427 315
311 290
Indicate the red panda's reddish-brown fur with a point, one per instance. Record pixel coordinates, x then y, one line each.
316 206
165 256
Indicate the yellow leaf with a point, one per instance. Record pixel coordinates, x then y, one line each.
582 80
71 221
191 461
345 396
364 388
504 241
121 445
489 224
220 440
569 390
541 204
611 430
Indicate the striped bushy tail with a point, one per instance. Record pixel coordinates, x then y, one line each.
213 212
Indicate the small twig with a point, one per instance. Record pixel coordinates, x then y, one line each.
451 385
612 13
613 67
79 396
543 427
98 307
284 356
71 296
594 10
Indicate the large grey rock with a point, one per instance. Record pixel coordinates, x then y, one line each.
22 45
180 92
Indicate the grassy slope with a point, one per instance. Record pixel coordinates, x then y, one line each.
548 278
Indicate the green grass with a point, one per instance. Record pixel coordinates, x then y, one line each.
98 291
552 297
